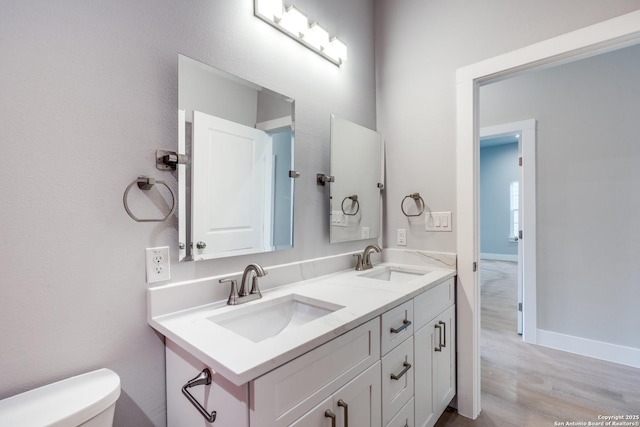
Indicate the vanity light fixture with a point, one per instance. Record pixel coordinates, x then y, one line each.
295 24
317 36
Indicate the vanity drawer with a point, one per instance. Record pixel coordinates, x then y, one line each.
404 418
432 302
285 394
397 379
397 326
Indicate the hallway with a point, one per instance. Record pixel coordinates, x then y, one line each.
529 385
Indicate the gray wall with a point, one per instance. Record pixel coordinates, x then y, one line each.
588 273
419 46
89 92
498 168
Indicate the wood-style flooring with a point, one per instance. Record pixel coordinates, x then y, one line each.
529 385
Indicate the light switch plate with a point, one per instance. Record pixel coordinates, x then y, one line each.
437 221
339 219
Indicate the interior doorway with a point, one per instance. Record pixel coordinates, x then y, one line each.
507 186
603 37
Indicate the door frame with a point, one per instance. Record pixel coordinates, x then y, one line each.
527 245
616 33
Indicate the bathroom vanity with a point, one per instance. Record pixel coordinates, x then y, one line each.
358 348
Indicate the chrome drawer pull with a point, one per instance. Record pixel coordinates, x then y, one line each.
405 324
439 347
329 414
407 366
346 412
444 333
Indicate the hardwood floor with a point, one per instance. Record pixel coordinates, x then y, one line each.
529 385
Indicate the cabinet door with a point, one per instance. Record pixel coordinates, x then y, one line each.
318 416
424 343
435 367
360 400
283 395
445 361
357 404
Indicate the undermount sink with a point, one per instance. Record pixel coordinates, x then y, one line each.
267 319
394 274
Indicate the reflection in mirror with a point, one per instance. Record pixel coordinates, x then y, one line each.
235 193
356 165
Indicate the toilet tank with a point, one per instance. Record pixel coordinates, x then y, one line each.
84 400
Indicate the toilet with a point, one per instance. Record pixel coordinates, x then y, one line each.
87 400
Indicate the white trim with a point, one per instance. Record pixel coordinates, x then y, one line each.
586 347
603 37
499 257
275 124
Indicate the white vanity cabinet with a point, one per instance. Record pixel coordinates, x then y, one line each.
346 368
395 370
434 351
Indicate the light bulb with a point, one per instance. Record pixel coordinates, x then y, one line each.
294 21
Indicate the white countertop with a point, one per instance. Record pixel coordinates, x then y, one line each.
241 360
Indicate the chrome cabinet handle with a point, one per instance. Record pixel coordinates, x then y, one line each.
346 412
444 333
329 414
405 324
407 366
439 347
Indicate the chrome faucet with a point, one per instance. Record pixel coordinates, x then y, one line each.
366 256
251 272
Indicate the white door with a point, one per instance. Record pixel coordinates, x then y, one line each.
231 164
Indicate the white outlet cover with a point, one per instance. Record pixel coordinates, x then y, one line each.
157 264
401 239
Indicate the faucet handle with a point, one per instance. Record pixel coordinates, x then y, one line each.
254 286
358 262
233 291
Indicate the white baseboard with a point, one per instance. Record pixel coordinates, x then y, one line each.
499 257
597 349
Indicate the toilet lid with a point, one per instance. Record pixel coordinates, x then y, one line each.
68 402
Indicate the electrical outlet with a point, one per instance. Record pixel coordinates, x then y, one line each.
401 238
157 264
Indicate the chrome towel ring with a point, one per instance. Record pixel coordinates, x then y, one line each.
146 183
416 198
354 200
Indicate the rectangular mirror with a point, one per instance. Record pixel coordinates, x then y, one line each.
236 190
356 165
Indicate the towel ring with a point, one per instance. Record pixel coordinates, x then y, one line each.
354 199
145 183
416 197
